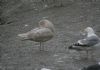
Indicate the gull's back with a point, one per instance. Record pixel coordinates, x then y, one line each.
40 34
90 41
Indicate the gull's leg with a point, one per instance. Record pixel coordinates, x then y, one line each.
43 48
40 47
87 53
80 55
92 54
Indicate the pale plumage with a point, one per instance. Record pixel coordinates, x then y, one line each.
41 34
86 44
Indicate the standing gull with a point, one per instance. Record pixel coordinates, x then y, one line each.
41 34
86 44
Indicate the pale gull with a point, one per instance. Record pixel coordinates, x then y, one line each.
88 42
41 34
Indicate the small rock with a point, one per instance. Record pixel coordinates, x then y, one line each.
35 9
55 55
44 17
45 69
26 25
45 6
60 61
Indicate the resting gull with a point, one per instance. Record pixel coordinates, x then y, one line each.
88 42
41 34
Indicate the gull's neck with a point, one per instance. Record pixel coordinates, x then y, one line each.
91 34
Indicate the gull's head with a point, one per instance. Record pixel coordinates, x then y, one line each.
47 24
89 30
43 23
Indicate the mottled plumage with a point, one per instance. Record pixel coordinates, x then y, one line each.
41 34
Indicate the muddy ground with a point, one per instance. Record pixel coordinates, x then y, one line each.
68 20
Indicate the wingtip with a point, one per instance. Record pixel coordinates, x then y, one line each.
22 35
70 47
19 35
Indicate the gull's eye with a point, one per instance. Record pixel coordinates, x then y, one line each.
41 23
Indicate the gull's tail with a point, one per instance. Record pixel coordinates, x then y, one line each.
24 36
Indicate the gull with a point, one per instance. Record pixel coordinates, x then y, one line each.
41 34
88 42
92 67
